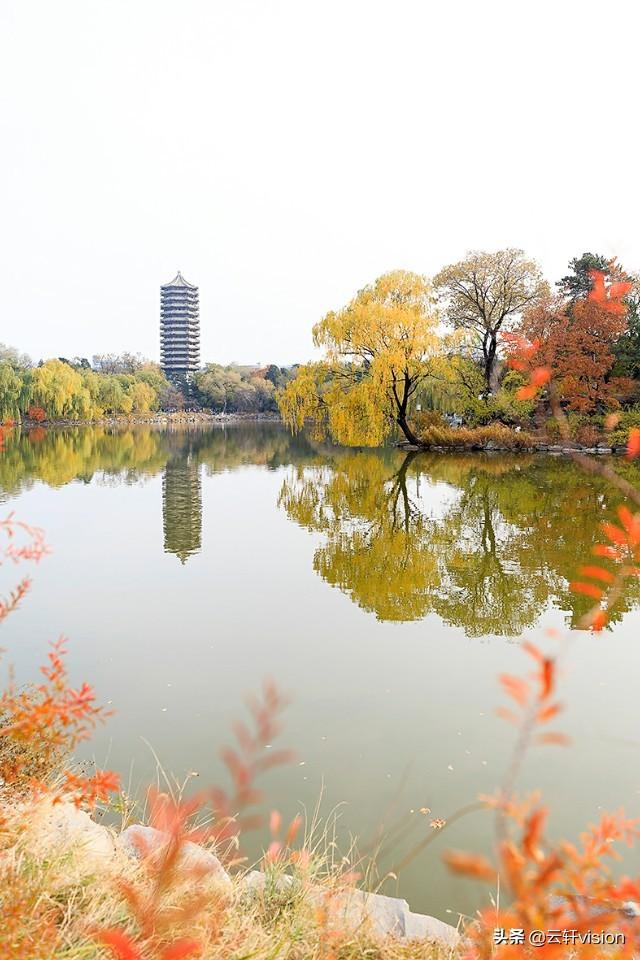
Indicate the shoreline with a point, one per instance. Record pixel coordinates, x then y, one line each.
493 447
156 419
206 417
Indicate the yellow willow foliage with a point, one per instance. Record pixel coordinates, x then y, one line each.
378 349
58 388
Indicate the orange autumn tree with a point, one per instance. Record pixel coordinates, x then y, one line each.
576 343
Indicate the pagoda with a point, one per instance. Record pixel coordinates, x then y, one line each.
179 329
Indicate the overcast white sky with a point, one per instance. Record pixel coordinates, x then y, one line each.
283 153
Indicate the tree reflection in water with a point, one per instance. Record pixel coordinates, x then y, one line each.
485 542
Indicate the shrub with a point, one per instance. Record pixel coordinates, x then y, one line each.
36 413
424 419
588 434
478 437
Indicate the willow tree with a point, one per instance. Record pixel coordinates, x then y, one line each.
378 350
485 293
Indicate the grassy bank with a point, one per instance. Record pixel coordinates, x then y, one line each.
70 892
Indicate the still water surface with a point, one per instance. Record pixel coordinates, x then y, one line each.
383 592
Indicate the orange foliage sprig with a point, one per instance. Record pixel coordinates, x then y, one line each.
554 887
54 717
623 553
21 542
161 923
535 705
280 848
250 758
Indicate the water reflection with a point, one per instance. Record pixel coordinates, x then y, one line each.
484 542
182 506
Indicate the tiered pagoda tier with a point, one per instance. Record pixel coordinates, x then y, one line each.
179 328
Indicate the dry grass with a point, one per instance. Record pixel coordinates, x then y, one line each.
477 437
53 902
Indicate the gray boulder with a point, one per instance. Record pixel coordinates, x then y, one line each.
418 926
388 916
137 841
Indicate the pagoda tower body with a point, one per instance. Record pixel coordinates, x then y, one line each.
179 329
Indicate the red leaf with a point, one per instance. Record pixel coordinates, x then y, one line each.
598 573
630 522
615 534
633 444
292 829
589 589
181 949
559 739
470 865
123 947
533 833
546 678
540 376
507 715
275 822
604 550
532 650
526 393
598 620
515 687
546 713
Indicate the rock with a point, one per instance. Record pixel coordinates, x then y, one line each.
418 926
61 830
137 841
591 450
494 445
387 916
255 883
601 449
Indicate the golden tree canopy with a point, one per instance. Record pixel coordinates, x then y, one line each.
378 349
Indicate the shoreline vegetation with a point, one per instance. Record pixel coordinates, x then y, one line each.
444 362
442 439
158 418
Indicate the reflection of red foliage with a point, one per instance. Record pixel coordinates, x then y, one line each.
37 434
37 414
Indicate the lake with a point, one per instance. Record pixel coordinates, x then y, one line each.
384 592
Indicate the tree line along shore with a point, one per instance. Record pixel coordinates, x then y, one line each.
433 363
128 386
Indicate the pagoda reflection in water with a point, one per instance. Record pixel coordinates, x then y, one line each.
182 506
